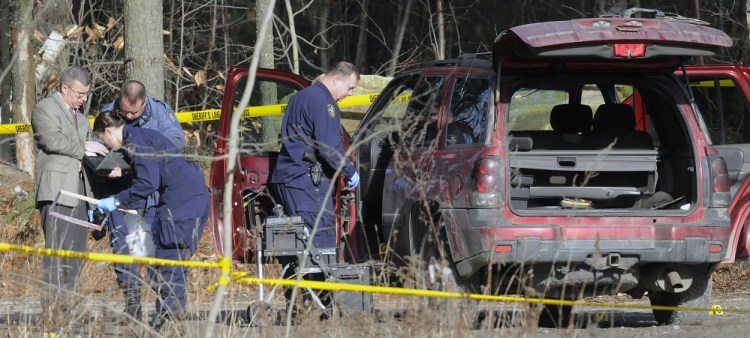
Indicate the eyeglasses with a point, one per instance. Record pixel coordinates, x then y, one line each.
130 112
78 94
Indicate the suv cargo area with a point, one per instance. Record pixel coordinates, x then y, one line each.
571 149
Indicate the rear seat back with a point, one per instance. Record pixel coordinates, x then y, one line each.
568 122
615 122
571 118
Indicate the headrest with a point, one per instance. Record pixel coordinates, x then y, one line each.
614 118
571 118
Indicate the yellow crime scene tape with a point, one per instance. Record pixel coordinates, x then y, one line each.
214 114
241 278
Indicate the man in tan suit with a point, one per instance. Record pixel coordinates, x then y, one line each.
61 135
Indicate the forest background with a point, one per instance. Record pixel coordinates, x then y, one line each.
181 49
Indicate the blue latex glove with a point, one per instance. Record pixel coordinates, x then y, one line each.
354 180
107 204
91 215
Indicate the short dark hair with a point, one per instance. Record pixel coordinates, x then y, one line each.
75 74
107 119
133 91
343 68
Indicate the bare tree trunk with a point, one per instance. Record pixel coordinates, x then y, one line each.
211 48
360 59
441 31
171 93
5 84
144 45
266 60
293 36
697 7
24 84
325 12
232 156
399 39
610 7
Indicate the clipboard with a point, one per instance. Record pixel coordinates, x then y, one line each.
102 165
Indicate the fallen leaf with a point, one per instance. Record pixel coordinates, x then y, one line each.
219 87
168 60
187 71
51 82
38 36
99 30
75 32
90 33
110 22
119 43
200 78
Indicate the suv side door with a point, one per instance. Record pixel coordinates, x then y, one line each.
461 145
257 157
408 176
375 139
722 98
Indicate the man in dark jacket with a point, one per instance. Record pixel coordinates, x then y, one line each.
143 111
312 126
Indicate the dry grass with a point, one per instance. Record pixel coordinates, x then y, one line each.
99 303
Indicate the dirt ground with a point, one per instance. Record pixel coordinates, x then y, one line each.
398 316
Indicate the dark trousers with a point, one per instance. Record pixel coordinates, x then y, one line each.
61 274
169 281
292 198
128 275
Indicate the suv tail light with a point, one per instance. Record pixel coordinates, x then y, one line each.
719 195
485 176
629 50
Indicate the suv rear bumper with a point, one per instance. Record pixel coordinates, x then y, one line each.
535 250
475 243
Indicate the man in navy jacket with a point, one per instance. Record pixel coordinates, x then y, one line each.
138 110
312 125
181 212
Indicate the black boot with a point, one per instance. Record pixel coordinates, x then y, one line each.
133 302
159 321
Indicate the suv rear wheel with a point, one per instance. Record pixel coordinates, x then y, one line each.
436 270
697 296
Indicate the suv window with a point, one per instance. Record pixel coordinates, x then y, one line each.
391 112
420 124
255 132
724 109
467 118
529 108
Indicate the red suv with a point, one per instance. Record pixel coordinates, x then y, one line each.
537 172
570 162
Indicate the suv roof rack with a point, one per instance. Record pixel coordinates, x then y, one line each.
657 14
466 60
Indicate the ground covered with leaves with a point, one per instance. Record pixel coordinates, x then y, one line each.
20 284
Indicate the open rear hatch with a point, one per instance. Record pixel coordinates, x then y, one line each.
606 41
601 155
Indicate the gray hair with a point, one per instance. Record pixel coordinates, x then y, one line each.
342 68
75 74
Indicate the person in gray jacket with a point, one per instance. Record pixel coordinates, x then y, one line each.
61 136
143 111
